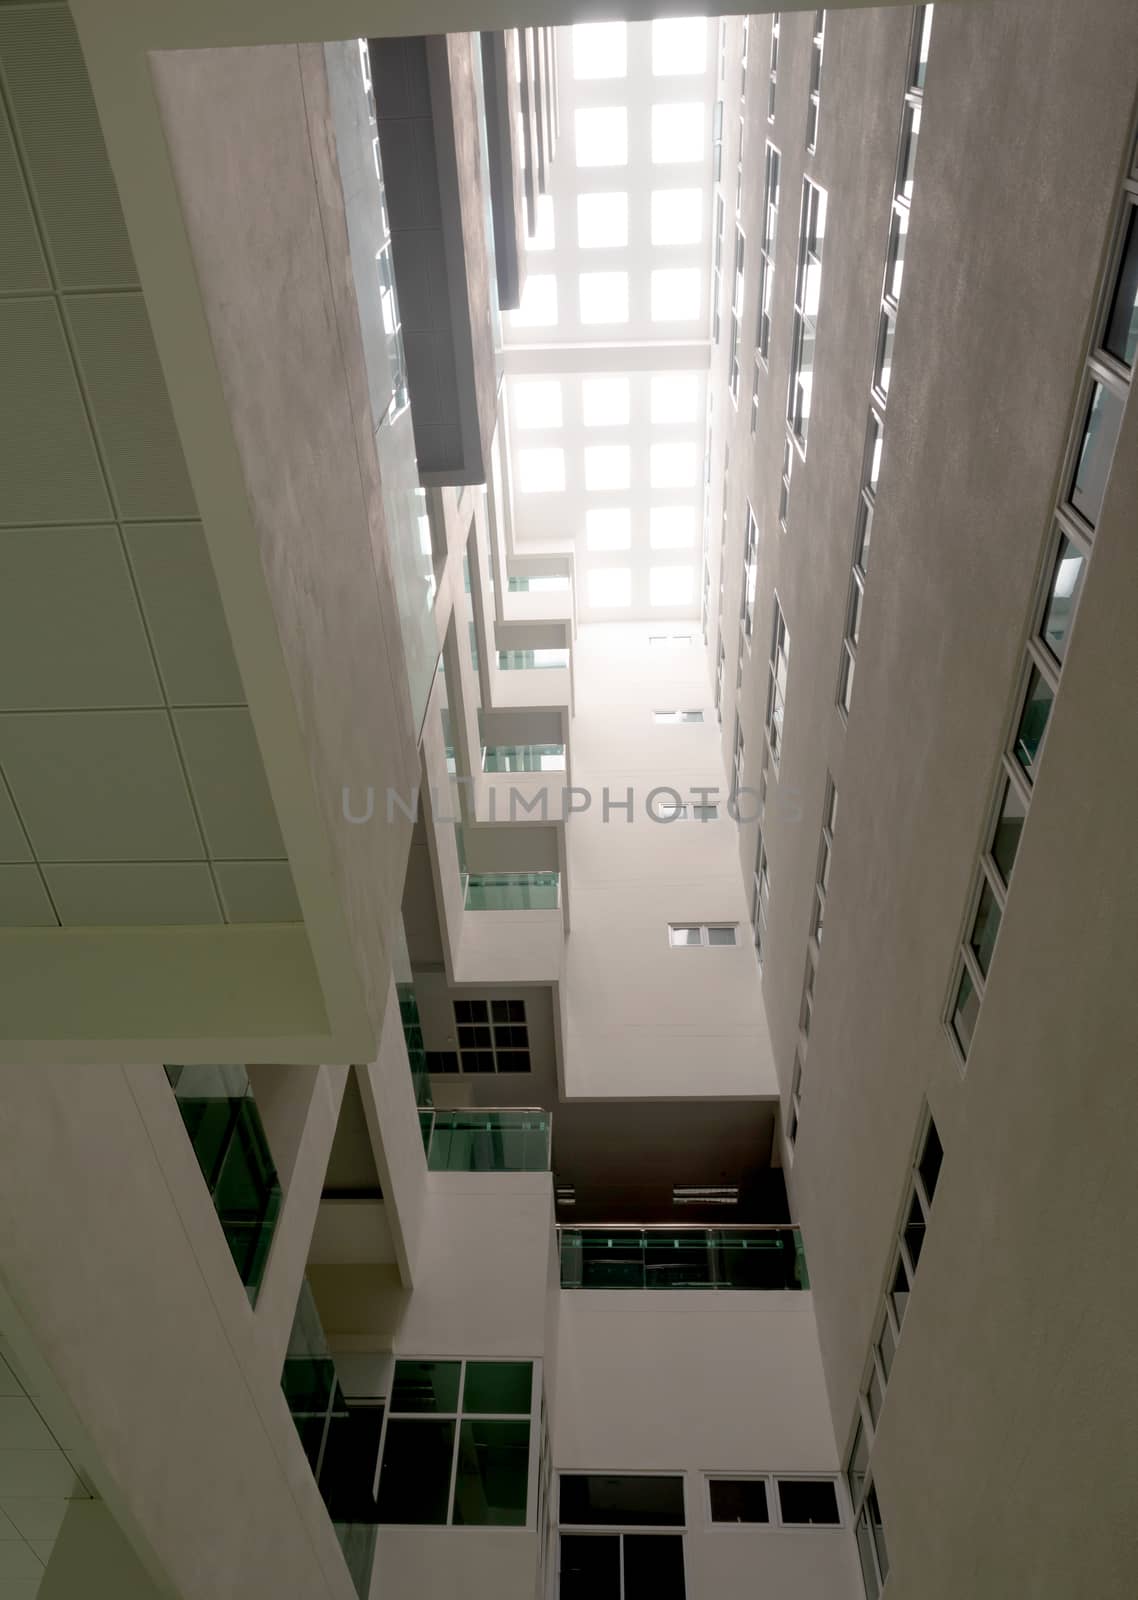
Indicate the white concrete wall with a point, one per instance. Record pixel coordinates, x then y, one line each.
693 1383
643 1018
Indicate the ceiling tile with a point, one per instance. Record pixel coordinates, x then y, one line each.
13 845
257 891
130 405
99 786
21 260
183 608
48 464
21 1426
229 784
55 115
71 634
18 1561
133 893
23 899
35 1519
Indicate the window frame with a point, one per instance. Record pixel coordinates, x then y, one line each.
778 684
768 244
705 942
812 224
814 104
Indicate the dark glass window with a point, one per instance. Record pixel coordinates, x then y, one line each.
1121 337
886 1346
738 1500
477 1061
425 1386
915 1231
1009 826
653 1566
1033 719
966 1009
985 928
502 1387
930 1163
899 1291
812 1501
596 1500
590 1566
1066 581
864 534
442 1061
414 1482
1100 434
493 1471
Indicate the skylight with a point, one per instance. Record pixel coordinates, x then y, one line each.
541 471
671 527
677 133
542 236
610 586
679 46
602 136
539 302
602 221
670 586
604 402
608 529
673 466
600 50
603 296
677 216
675 397
676 294
536 404
606 466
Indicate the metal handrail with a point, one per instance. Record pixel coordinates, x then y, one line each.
678 1227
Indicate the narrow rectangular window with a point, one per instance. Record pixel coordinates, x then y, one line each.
772 83
777 683
813 109
736 313
738 1500
766 251
808 1502
807 296
750 572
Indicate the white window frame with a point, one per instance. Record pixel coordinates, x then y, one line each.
778 682
704 933
811 245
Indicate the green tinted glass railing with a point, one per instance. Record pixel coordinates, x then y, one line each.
513 891
523 758
683 1258
340 1438
550 584
225 1129
489 1141
523 660
416 1055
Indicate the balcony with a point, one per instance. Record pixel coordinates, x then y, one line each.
541 658
490 1140
513 891
677 1257
224 1125
523 758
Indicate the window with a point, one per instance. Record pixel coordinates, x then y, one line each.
679 46
922 35
677 133
668 809
777 680
539 302
784 487
677 216
737 759
604 402
607 466
813 107
671 527
677 716
492 1036
1096 451
825 857
673 466
717 268
601 133
1120 337
622 1566
593 1500
760 898
542 237
610 587
603 296
600 50
1037 702
738 1500
795 1102
806 1007
541 471
460 1462
736 313
808 1502
883 368
807 294
602 221
720 661
608 529
670 586
670 641
675 294
1062 596
675 398
772 84
766 251
536 404
709 935
750 573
